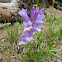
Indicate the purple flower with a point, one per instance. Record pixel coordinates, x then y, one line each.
40 18
23 36
27 25
31 24
41 11
29 36
36 26
33 11
23 13
29 33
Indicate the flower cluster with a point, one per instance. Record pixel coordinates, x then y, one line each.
31 24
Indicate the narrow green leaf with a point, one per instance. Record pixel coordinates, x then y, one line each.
23 57
55 55
53 50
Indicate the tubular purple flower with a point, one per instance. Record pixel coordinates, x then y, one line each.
33 11
40 18
37 26
27 25
41 11
23 36
23 13
29 36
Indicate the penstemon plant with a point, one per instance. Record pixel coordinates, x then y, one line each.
36 50
31 24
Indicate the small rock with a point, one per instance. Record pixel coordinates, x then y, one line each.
1 25
61 42
16 24
55 18
59 61
0 32
6 24
0 15
3 40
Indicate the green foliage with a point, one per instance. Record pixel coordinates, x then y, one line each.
0 45
12 34
23 57
12 39
60 34
40 50
59 21
52 54
10 51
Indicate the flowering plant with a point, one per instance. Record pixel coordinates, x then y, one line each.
32 24
43 48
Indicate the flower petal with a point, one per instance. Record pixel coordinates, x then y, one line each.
22 43
27 25
23 36
40 18
37 29
37 25
29 34
23 13
41 11
29 38
33 11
